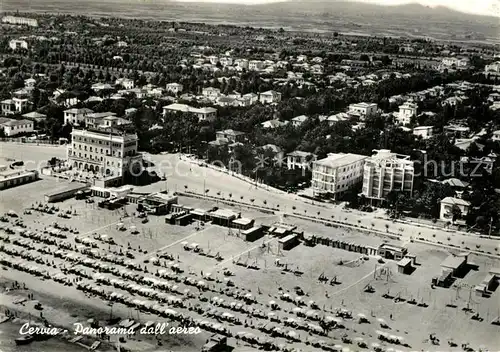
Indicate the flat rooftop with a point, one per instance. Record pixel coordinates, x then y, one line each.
454 261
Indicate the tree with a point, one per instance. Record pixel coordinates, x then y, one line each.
455 213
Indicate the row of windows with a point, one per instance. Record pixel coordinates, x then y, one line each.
95 158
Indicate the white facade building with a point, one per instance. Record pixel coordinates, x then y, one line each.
14 127
203 114
126 83
447 205
385 172
174 88
299 160
76 116
256 65
15 44
22 21
337 173
425 132
407 111
496 136
362 110
270 97
492 69
106 153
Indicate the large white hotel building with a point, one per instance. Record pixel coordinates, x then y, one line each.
336 174
108 153
385 172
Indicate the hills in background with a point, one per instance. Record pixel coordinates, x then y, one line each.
411 20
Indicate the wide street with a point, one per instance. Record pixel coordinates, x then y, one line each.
183 175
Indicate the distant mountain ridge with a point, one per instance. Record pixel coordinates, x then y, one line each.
411 20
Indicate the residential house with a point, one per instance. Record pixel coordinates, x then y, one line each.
211 93
425 132
256 65
35 116
174 88
203 114
492 69
95 119
333 119
458 131
300 160
447 205
407 111
99 87
226 61
16 44
299 120
496 136
277 152
8 107
455 62
126 83
270 97
29 83
362 110
272 124
14 127
76 116
337 173
242 63
385 172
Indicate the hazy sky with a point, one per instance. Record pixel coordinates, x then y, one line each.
483 7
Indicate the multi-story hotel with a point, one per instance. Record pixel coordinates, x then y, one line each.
337 173
108 153
385 172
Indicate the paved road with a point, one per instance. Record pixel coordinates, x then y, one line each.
181 173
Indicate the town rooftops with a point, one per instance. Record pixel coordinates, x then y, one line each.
340 159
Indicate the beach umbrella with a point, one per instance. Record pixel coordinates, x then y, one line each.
381 321
346 349
375 345
359 339
361 315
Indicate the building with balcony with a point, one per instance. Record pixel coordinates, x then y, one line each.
106 153
337 173
385 172
300 160
407 111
